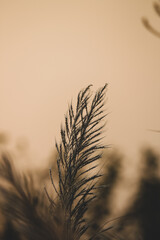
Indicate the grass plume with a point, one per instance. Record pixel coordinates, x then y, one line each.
78 152
77 156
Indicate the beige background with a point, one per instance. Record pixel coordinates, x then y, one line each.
50 49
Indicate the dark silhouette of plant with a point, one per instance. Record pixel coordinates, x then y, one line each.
143 220
27 214
77 154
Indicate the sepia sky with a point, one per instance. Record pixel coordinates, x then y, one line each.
50 49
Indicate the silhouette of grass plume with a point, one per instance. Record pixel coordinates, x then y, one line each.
25 206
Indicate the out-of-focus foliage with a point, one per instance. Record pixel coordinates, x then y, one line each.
26 214
23 206
143 221
100 210
4 138
146 22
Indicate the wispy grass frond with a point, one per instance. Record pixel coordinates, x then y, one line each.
77 157
24 205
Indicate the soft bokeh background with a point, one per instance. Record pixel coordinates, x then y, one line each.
50 49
